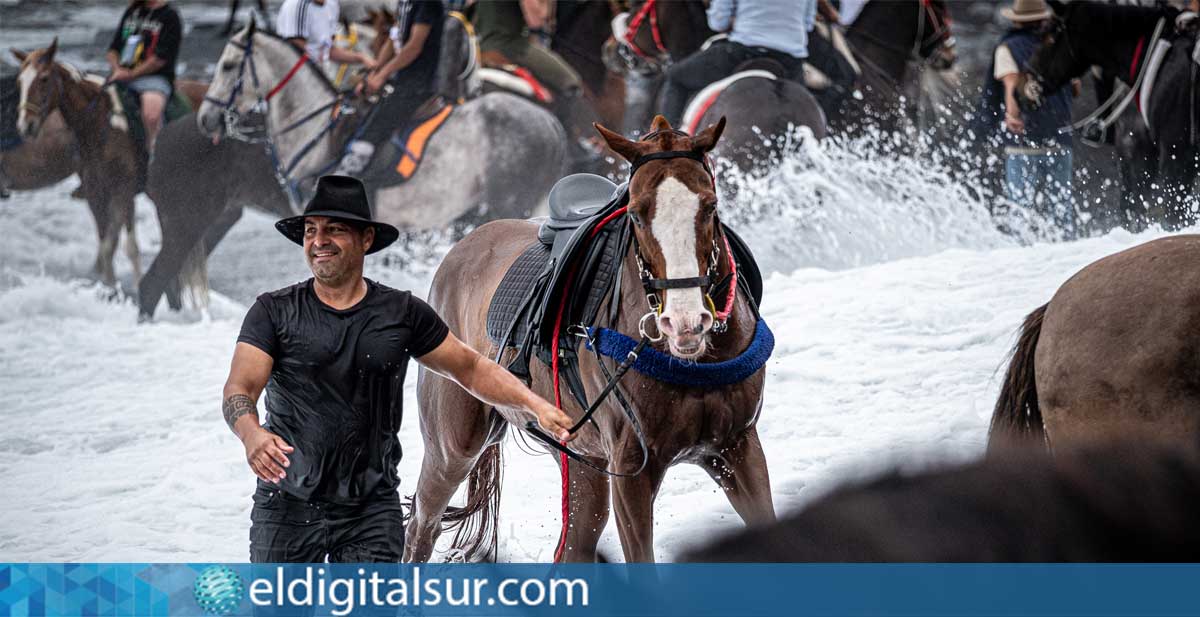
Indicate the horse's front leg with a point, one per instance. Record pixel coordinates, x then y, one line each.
741 471
589 513
633 501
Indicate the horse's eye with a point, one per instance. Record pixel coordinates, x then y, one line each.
229 66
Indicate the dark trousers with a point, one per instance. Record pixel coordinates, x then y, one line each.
409 93
823 56
286 529
689 76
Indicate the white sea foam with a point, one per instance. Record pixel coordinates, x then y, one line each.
114 448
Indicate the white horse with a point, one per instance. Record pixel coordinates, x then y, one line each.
496 156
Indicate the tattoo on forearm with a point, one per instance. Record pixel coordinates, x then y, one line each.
235 407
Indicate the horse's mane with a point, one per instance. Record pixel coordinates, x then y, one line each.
1123 20
309 62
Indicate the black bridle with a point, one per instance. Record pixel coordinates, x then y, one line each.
651 284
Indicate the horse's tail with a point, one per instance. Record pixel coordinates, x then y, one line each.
1017 418
476 524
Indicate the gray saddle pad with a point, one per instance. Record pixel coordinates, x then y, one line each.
510 302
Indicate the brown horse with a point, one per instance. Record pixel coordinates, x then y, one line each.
672 210
109 156
1115 354
47 159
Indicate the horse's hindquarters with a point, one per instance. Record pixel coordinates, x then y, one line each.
1119 354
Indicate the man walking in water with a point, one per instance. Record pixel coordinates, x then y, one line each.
332 353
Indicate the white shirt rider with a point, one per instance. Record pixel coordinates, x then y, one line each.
311 25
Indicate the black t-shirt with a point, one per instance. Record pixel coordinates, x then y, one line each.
145 32
432 13
336 390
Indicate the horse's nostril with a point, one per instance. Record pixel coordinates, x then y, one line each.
665 326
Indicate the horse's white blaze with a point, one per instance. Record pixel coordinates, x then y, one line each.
674 227
25 79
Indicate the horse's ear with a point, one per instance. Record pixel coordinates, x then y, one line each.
253 25
18 54
51 50
660 124
706 139
1057 6
628 149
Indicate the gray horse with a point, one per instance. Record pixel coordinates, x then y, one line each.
496 156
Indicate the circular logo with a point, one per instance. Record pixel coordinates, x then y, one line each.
218 590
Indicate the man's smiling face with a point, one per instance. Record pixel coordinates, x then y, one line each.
335 248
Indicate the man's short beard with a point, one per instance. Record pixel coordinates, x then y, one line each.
330 273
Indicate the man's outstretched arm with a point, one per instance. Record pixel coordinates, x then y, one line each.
492 384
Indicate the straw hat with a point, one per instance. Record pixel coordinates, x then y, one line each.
1023 11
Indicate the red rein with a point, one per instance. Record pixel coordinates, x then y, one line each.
564 462
286 78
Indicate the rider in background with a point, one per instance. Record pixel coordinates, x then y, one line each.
409 64
310 25
142 56
1037 156
507 29
823 56
774 29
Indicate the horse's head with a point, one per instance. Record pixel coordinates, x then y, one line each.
234 92
41 83
937 44
1056 60
673 207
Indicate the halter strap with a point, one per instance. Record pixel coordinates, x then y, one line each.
669 154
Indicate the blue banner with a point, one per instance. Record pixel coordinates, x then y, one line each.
691 590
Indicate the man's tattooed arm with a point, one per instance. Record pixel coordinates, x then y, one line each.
235 407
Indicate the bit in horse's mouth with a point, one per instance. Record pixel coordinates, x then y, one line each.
689 352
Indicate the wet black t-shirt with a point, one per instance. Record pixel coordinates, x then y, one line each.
145 32
337 385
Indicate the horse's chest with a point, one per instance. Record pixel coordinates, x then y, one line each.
707 419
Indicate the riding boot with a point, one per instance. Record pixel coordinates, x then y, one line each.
355 160
575 115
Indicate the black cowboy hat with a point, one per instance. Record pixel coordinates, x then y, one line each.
343 198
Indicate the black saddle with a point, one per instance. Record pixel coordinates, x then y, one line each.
573 200
569 251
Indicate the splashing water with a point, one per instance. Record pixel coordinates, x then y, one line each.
841 203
